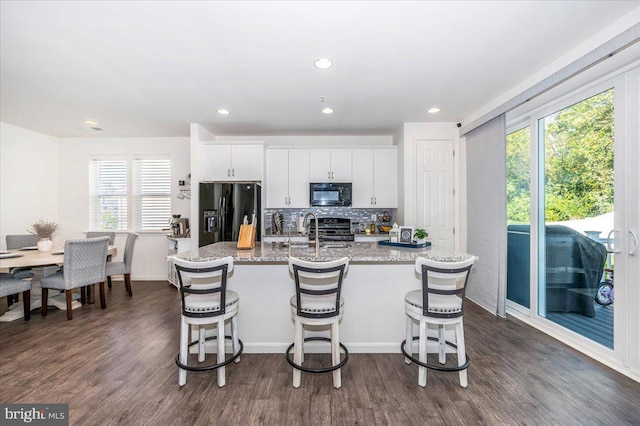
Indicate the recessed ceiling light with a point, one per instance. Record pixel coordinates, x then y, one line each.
433 110
323 63
90 122
327 110
223 111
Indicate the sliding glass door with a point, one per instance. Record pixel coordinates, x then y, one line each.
575 265
571 195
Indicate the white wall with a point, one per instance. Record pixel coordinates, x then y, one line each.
411 133
28 179
73 200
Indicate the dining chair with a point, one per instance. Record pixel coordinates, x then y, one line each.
205 300
15 242
124 267
10 286
85 263
317 302
112 241
438 302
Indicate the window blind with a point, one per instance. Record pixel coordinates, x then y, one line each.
108 194
151 194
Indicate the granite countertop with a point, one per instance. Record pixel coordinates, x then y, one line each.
365 252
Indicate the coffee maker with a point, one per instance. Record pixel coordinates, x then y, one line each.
179 226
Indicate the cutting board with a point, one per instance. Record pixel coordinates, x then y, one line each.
247 237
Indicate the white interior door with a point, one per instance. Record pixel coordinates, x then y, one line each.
434 191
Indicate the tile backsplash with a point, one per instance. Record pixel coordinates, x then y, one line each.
356 215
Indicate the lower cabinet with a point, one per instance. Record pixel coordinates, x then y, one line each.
176 245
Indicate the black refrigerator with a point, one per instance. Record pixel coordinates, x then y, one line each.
223 205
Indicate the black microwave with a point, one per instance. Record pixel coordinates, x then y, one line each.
330 194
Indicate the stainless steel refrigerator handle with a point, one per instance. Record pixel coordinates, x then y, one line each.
613 231
635 243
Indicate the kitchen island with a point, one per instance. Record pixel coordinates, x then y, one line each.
373 291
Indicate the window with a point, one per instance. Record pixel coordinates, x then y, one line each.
108 194
119 202
151 194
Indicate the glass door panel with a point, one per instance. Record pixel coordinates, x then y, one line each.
518 216
577 144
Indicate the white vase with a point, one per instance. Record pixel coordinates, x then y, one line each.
45 244
421 241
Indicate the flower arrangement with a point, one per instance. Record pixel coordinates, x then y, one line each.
43 229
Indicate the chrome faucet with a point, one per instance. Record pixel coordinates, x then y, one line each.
315 217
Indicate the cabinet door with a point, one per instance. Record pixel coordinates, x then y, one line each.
215 163
246 162
385 178
277 178
299 178
362 195
341 168
319 165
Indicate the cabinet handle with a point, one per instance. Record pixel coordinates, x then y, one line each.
233 172
329 175
229 172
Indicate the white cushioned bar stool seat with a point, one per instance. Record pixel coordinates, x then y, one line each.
317 302
205 300
439 302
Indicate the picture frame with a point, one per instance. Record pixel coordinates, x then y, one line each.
405 234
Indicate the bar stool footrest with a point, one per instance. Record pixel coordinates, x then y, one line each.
213 366
317 370
433 366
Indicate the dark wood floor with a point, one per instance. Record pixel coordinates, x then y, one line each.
117 367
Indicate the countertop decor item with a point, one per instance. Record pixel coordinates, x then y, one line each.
405 234
420 236
44 230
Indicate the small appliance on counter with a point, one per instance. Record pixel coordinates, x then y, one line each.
179 226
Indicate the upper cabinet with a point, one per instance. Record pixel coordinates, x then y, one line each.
241 162
287 178
330 165
375 178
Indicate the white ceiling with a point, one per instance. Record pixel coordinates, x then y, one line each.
151 68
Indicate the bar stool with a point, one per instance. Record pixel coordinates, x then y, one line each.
439 302
206 300
317 302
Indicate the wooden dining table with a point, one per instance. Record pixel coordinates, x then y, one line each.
43 264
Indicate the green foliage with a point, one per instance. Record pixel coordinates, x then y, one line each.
578 163
579 159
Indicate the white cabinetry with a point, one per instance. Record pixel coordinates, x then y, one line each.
176 245
375 178
287 178
242 162
330 165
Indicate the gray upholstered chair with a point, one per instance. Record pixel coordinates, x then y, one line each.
15 242
85 262
10 286
124 268
112 241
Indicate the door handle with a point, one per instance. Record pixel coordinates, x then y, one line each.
632 252
609 238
